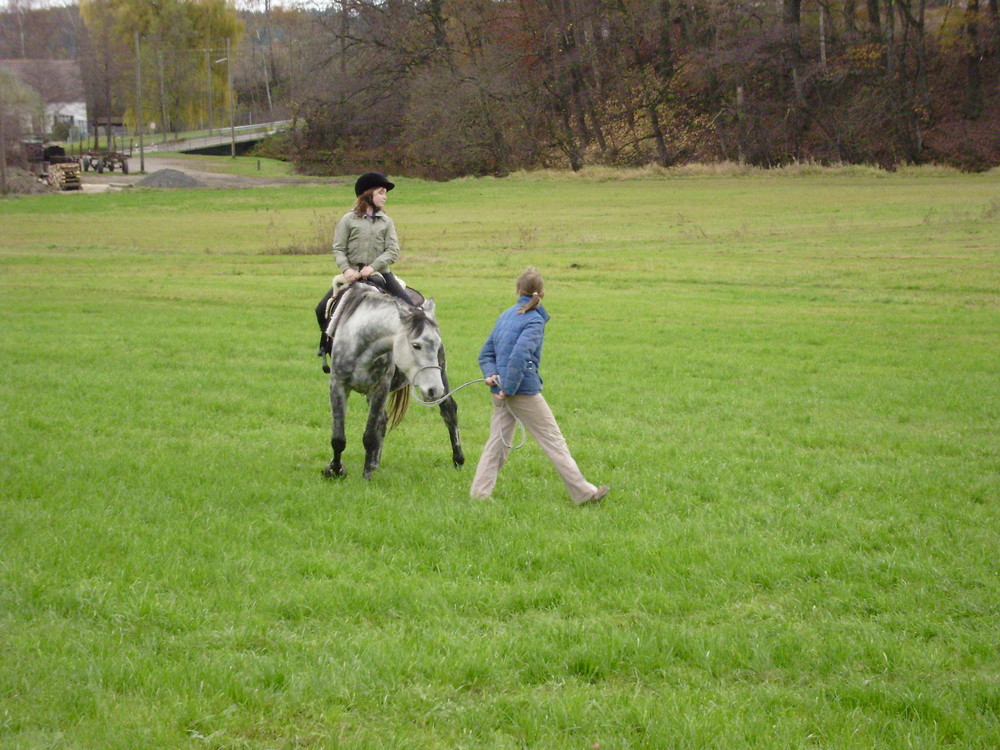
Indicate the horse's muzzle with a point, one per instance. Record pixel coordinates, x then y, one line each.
429 384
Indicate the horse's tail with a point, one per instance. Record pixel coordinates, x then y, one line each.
399 402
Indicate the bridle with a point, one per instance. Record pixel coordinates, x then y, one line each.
435 402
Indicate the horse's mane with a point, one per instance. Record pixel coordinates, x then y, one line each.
417 321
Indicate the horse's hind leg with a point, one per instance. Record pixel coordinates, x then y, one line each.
449 412
338 407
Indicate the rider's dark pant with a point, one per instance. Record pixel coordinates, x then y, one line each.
394 288
321 310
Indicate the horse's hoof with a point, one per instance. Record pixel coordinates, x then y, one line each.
459 462
330 473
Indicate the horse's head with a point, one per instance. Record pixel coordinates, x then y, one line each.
417 347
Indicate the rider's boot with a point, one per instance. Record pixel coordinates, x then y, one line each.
325 346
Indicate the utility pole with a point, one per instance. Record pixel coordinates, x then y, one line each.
208 76
164 123
232 103
138 102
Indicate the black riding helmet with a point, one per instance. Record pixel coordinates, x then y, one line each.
370 180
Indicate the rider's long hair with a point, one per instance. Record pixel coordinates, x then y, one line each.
364 204
529 284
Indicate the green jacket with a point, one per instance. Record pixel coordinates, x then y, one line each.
365 241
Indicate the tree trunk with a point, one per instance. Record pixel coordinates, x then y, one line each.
664 61
661 143
890 36
974 87
791 13
3 148
575 75
345 23
874 20
438 24
850 13
568 141
994 33
270 66
790 22
822 36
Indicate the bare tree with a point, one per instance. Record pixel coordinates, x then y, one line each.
103 61
31 29
973 78
446 87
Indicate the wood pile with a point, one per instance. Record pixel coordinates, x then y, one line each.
65 176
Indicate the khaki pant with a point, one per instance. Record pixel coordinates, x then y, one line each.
540 423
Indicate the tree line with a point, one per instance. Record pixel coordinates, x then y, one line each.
442 88
487 86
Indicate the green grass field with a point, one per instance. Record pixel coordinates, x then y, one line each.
789 380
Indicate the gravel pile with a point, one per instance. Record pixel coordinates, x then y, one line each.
169 178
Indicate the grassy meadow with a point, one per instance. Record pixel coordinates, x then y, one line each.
789 379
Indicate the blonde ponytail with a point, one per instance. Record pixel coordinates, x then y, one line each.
529 284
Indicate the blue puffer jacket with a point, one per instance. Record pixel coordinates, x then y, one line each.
514 350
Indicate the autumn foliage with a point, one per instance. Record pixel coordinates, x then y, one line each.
445 88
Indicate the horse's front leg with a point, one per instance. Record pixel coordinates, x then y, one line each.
338 441
449 412
375 429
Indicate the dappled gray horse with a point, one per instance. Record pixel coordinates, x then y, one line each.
380 347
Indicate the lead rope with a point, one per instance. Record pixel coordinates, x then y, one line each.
518 422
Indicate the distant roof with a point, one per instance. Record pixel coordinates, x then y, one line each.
54 80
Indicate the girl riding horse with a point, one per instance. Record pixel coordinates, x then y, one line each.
364 246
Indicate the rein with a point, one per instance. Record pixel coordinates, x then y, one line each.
518 422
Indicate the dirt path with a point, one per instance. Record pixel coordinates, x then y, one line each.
99 183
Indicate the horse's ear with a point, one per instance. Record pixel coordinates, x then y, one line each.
428 307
